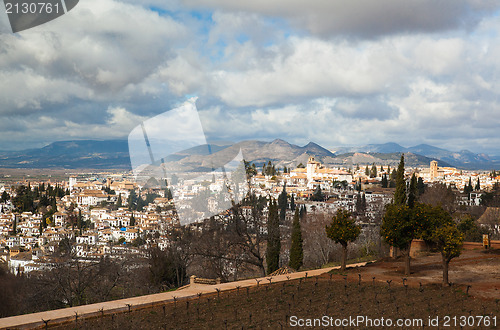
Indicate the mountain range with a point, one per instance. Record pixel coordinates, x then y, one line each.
114 154
462 159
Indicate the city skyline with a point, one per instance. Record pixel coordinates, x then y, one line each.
336 73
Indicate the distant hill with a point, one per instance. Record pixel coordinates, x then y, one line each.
114 154
71 154
462 159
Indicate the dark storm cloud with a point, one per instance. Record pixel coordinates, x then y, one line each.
364 18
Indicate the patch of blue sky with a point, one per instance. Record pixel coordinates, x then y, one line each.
161 11
204 17
217 53
242 38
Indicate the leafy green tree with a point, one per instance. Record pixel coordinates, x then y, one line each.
140 203
250 169
132 220
273 238
343 230
5 197
367 171
373 171
132 200
150 198
400 193
119 201
449 241
24 199
436 225
398 230
296 249
478 185
472 232
318 195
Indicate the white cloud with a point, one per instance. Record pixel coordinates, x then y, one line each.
98 48
366 72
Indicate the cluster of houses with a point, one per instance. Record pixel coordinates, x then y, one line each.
115 231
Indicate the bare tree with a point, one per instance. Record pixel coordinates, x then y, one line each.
318 248
439 194
227 247
76 281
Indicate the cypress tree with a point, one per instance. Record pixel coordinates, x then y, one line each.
385 182
283 203
363 203
468 187
412 195
296 250
478 185
273 238
358 203
420 186
14 225
400 193
80 220
302 211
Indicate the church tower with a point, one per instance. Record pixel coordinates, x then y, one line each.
312 167
433 169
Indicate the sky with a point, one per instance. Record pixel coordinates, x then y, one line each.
335 72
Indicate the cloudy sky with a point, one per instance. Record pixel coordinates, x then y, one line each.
336 72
